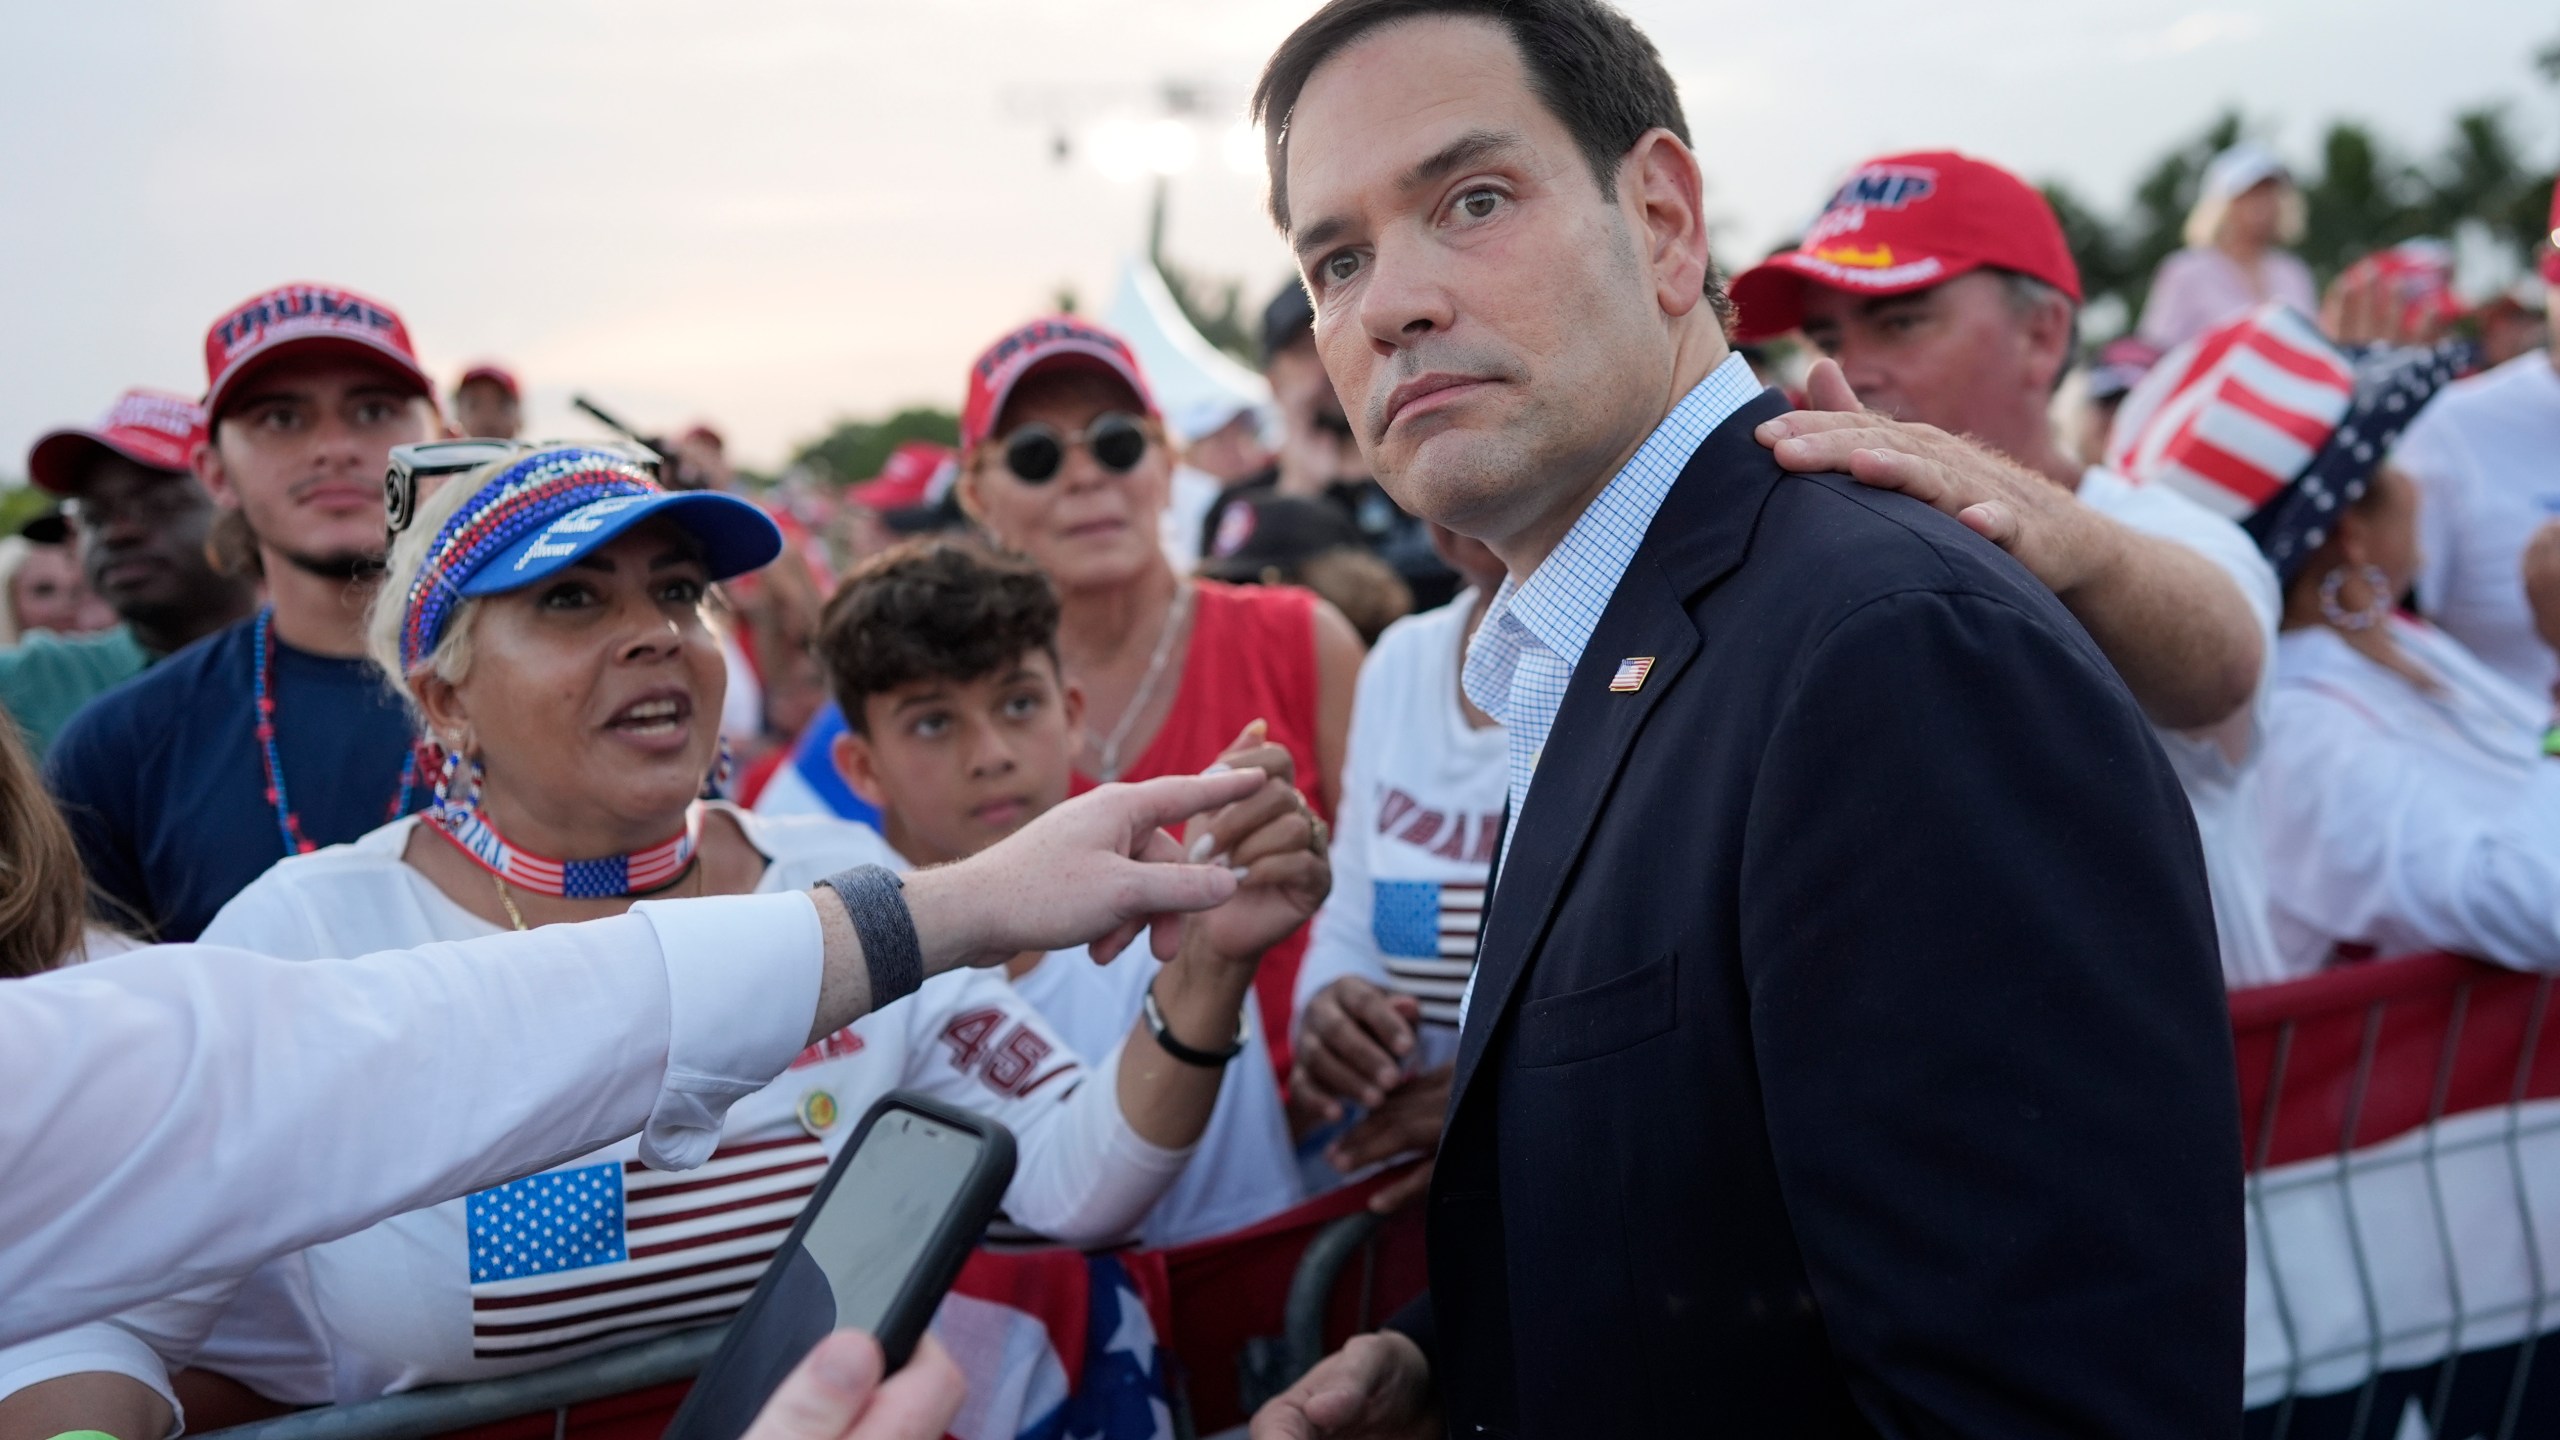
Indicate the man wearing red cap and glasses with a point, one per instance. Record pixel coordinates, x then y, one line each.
274 736
1943 293
2486 456
142 521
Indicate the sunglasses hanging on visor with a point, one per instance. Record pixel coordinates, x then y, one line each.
415 468
1036 452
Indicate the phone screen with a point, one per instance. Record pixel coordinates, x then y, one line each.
884 1211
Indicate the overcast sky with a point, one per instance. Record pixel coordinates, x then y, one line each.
770 213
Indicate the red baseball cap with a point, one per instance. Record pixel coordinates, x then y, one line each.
915 474
2551 242
1904 223
303 319
151 428
495 374
1056 340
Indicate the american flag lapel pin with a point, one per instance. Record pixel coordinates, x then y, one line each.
1630 676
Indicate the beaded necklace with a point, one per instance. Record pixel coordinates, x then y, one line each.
605 878
262 670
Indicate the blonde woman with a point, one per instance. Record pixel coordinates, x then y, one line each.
2247 211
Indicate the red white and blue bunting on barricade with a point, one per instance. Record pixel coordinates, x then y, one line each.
2403 1124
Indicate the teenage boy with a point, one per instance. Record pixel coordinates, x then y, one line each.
275 736
961 729
141 524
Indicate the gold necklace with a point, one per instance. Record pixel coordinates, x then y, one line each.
508 899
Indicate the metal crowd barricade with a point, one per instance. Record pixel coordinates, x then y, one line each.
446 1409
2402 1125
1251 1312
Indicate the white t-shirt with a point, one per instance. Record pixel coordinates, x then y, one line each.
1244 1171
1422 797
2407 819
2218 767
2486 456
600 1250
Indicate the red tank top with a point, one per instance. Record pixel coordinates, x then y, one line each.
1252 656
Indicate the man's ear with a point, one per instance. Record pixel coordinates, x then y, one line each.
1071 704
860 767
206 462
2047 335
1659 178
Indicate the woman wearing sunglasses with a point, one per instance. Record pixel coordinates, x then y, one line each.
1064 461
543 616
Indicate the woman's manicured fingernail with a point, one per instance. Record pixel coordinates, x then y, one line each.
1199 850
1217 767
1238 871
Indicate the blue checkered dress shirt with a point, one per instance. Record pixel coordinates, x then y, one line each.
1532 635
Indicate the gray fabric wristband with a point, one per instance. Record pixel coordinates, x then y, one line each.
874 898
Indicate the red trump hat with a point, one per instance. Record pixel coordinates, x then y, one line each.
304 319
151 428
495 374
1904 223
1056 340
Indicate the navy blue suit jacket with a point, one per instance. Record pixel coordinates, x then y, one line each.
1848 1053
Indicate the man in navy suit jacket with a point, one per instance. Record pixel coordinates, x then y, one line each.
1846 1054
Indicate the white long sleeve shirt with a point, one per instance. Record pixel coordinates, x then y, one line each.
2406 819
596 1252
2486 456
178 1114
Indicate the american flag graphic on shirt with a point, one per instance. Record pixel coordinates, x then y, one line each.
570 1256
1427 930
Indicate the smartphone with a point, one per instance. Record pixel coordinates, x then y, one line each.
883 1238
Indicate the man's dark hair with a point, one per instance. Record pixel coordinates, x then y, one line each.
1589 64
932 610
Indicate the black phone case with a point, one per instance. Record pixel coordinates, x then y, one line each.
767 1339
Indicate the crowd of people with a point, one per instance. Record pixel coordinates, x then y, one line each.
263 700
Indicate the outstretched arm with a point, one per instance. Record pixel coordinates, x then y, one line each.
513 1053
2169 619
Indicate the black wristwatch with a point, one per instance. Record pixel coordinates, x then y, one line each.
1205 1059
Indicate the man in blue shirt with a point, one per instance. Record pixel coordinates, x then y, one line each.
142 521
275 735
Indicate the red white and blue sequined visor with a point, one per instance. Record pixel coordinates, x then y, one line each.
735 537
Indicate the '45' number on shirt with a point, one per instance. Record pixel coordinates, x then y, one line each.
1010 1065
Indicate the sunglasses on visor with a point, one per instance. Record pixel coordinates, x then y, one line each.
415 468
1035 452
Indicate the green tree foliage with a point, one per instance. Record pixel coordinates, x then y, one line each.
2358 198
856 449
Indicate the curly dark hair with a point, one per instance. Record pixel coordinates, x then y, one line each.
938 609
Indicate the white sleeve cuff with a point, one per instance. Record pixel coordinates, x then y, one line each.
83 1350
742 991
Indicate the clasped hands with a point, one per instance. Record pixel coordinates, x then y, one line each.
1101 868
